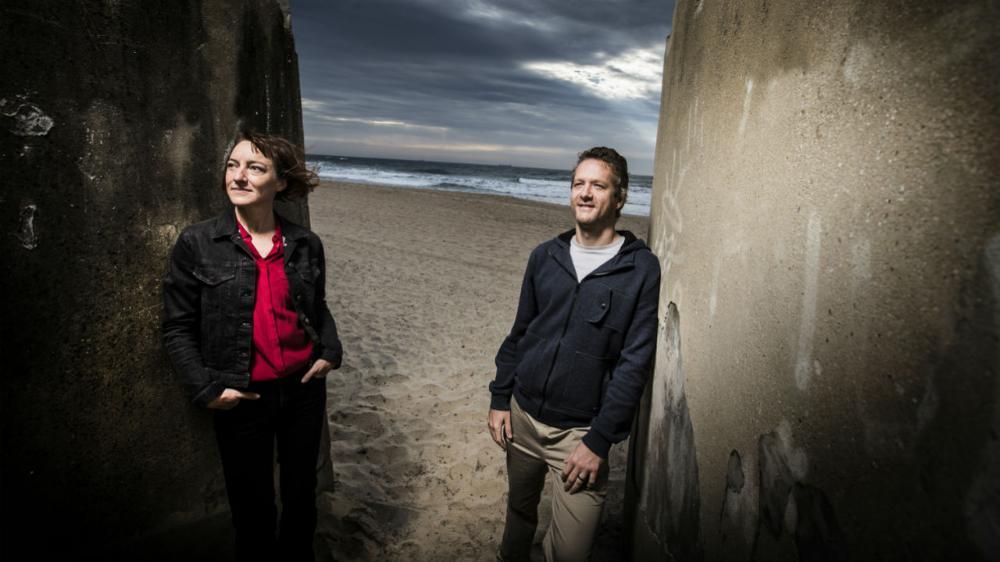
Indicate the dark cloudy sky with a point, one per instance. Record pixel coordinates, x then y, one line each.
522 82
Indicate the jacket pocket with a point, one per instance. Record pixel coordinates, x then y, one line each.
217 301
608 308
596 304
583 385
308 272
527 372
214 275
216 286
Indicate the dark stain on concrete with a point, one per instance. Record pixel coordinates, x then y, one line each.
961 482
662 497
776 482
738 517
784 500
734 473
818 537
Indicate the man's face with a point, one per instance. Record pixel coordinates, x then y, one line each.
592 197
251 178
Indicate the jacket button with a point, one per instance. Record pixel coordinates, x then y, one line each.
298 297
604 305
246 324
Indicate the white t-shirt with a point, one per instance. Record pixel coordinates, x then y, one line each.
588 258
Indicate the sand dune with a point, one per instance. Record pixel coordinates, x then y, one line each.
424 287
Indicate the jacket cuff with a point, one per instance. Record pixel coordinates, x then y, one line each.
211 391
599 445
500 402
334 356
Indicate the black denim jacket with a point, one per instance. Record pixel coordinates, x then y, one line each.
208 299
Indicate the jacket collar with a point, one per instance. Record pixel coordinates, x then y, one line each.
625 258
225 226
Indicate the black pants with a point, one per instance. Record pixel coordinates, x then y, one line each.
292 414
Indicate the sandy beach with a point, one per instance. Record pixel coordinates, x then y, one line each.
424 287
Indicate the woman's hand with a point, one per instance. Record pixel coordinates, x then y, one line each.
230 397
319 369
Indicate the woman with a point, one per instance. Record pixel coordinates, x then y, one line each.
248 330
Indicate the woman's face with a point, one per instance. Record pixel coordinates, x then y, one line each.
251 178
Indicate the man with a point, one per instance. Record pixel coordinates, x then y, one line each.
574 366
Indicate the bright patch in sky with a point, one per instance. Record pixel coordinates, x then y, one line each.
317 110
489 11
634 74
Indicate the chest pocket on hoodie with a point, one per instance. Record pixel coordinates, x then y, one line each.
602 306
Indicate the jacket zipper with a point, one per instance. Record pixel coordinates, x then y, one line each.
572 309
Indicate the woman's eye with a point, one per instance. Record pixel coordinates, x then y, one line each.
257 169
230 165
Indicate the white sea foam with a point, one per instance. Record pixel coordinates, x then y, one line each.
550 186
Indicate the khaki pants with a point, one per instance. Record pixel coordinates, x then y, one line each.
538 449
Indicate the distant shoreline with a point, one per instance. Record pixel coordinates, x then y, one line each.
533 184
332 183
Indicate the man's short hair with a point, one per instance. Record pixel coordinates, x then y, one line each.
618 165
289 162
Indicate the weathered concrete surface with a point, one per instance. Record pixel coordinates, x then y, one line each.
114 122
827 210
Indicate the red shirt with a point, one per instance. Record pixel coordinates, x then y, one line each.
280 346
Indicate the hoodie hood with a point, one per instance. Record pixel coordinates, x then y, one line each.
632 242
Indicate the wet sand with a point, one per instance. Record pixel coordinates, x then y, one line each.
424 287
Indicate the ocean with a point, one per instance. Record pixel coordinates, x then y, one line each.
536 184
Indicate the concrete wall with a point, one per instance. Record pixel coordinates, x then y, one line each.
827 210
114 122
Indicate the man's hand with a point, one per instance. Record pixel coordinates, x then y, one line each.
230 397
319 369
499 424
581 469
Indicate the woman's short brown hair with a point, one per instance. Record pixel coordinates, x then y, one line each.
289 162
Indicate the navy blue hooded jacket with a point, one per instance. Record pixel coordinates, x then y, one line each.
579 352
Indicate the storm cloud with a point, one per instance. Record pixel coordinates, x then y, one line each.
513 81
